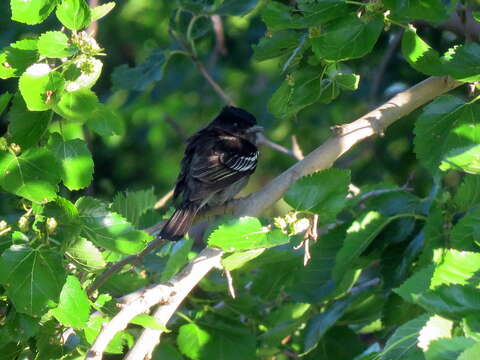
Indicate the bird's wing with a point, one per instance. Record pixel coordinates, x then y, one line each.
214 169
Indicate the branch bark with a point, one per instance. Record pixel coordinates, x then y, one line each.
171 294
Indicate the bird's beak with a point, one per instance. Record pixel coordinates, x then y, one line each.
254 129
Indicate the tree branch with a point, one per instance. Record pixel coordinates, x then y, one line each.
171 294
345 137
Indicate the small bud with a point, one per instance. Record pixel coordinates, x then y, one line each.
3 225
23 223
314 32
301 226
280 223
16 148
290 80
51 225
3 144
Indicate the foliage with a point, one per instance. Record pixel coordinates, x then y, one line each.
87 131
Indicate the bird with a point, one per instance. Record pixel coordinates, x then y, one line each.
216 165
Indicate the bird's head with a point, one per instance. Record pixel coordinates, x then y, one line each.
238 122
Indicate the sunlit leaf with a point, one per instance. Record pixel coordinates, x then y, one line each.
55 44
108 229
355 36
32 278
447 128
74 307
33 175
74 14
323 193
31 12
17 57
76 160
38 84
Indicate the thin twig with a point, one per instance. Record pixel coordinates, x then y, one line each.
220 48
177 127
117 266
296 150
262 140
380 69
163 200
93 28
229 278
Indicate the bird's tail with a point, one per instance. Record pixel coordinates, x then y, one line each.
180 222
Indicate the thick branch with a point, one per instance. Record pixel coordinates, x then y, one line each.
171 294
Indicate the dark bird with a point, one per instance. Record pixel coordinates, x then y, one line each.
216 165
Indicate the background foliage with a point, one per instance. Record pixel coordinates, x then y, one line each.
92 136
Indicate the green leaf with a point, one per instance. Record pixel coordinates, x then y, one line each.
466 233
219 343
37 84
332 345
356 36
133 204
108 229
283 321
4 101
234 7
403 344
77 105
86 254
447 128
143 75
105 122
470 353
301 89
318 325
408 10
26 127
360 234
447 349
74 307
463 62
279 44
33 175
55 44
177 258
32 278
323 193
347 81
468 193
452 301
17 57
239 259
148 322
31 12
74 14
76 160
100 11
166 351
278 16
420 55
314 283
245 233
450 268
